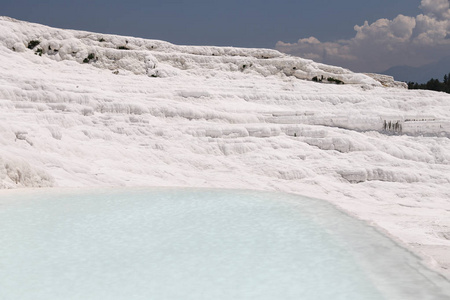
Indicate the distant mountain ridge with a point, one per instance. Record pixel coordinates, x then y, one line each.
421 74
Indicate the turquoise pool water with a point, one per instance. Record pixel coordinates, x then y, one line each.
197 244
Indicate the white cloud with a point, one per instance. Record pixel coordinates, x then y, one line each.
439 9
385 43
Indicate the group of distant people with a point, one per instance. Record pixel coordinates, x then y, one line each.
391 126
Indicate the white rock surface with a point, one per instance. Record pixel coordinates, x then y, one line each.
165 115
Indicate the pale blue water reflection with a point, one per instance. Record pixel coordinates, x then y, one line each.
198 244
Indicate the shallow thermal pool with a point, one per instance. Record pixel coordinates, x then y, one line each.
197 244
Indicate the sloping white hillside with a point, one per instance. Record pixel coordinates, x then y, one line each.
148 113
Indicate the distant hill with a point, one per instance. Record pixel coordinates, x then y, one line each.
420 74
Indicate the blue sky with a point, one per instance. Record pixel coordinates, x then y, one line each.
278 24
246 23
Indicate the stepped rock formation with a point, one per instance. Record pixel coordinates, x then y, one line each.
84 109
